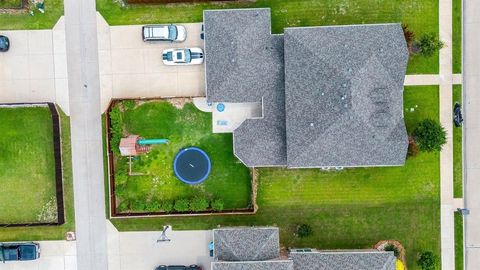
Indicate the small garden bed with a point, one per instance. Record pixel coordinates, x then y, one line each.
146 184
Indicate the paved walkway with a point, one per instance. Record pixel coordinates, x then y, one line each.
446 156
85 122
471 94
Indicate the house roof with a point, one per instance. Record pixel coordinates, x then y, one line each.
344 95
244 63
263 265
246 244
331 96
334 260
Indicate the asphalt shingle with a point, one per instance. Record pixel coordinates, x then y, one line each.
246 244
265 265
344 95
335 260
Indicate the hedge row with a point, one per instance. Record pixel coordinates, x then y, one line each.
181 205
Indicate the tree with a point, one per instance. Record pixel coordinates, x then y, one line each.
429 44
427 261
430 136
409 37
304 230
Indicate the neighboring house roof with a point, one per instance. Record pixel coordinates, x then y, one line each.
334 260
331 96
246 244
244 63
264 265
344 95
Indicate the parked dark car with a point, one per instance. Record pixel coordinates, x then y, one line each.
4 43
19 251
178 267
457 115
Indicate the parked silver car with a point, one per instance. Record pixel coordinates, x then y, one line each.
170 32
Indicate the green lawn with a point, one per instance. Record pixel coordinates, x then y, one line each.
458 241
10 3
53 11
420 15
353 208
50 232
457 149
27 166
229 179
457 36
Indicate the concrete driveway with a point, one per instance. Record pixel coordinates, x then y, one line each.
140 250
54 255
132 68
34 69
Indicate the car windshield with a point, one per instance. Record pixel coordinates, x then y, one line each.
2 256
188 56
172 32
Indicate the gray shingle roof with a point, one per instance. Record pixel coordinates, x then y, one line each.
332 96
265 265
244 63
355 260
344 95
246 244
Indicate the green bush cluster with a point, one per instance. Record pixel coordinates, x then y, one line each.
116 129
430 136
428 261
392 247
196 204
128 104
304 230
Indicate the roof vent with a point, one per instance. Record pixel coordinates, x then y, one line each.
312 124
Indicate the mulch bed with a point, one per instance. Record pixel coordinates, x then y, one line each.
172 1
402 256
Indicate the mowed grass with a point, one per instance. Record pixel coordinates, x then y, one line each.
51 232
457 149
420 15
229 179
18 21
457 36
10 3
350 209
27 166
458 241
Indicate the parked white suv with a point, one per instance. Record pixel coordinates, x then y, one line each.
161 32
186 56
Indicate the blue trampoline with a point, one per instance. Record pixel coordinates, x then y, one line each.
192 165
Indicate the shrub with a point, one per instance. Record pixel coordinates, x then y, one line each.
199 204
430 136
153 206
116 129
409 37
139 205
429 44
123 207
412 148
217 205
304 230
167 206
392 247
128 104
181 205
427 261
